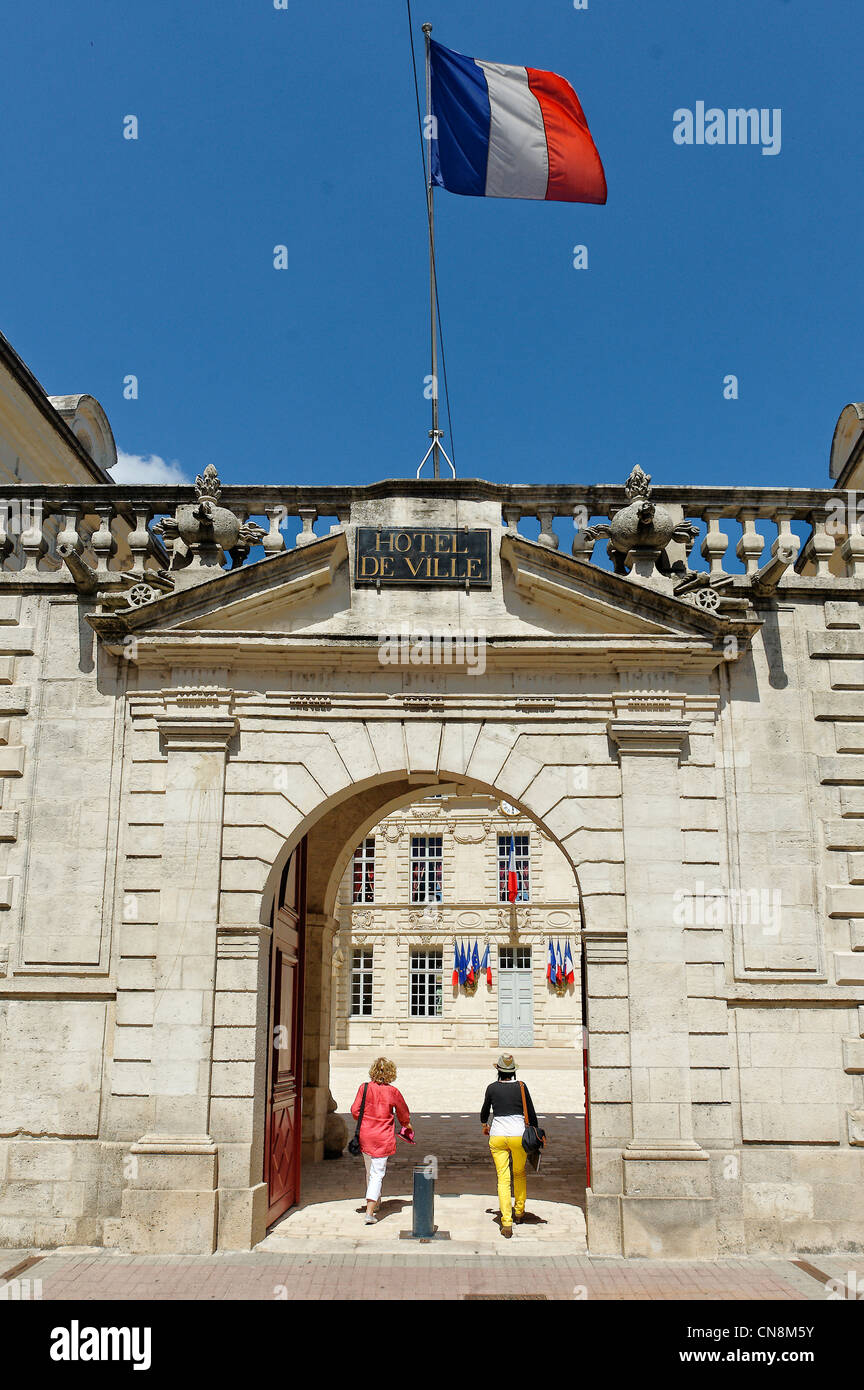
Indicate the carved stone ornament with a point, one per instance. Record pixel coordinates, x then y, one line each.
129 592
423 702
429 917
393 830
204 533
642 531
362 919
196 696
469 834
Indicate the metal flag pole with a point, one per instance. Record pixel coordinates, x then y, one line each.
436 448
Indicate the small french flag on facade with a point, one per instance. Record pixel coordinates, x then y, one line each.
569 974
550 964
486 965
455 963
510 132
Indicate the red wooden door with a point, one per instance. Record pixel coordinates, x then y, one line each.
284 1080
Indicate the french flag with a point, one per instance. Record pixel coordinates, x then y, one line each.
512 876
550 964
455 963
486 965
569 973
507 132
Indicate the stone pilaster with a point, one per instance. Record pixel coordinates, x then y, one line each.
238 1104
663 1164
170 1202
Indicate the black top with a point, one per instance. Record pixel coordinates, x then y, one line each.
505 1098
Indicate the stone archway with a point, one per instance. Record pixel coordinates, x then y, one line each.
242 789
328 840
330 837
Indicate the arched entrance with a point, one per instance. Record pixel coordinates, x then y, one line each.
302 914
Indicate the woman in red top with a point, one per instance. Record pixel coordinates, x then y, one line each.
377 1132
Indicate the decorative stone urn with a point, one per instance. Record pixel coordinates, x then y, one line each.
639 533
201 533
642 524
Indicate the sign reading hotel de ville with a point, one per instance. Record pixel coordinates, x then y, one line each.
425 556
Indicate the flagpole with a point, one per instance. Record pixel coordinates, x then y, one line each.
430 203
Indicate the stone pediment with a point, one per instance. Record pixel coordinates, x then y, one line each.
597 601
543 601
249 599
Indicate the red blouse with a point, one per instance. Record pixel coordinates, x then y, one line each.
377 1132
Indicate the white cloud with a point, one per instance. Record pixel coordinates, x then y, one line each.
147 468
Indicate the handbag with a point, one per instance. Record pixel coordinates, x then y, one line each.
354 1144
533 1138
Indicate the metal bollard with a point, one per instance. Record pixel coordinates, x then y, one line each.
423 1222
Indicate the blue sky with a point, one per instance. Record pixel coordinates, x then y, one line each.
260 127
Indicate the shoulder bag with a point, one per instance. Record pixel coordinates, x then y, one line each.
354 1144
533 1138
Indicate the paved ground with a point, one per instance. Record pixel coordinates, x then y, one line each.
322 1249
445 1105
422 1274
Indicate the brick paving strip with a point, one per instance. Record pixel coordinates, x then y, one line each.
418 1275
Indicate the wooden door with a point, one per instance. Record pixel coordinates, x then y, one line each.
285 1071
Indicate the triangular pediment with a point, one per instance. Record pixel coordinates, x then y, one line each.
540 599
250 599
594 601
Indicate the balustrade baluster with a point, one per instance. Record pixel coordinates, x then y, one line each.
752 543
852 549
307 517
33 544
102 540
715 544
583 546
547 536
821 546
138 540
274 541
787 544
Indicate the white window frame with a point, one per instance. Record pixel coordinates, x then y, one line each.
427 869
523 867
364 857
362 972
518 956
426 981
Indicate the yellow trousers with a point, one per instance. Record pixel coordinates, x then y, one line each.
504 1147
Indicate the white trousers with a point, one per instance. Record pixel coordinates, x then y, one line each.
375 1170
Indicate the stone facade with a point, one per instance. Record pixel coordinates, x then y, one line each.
689 739
386 922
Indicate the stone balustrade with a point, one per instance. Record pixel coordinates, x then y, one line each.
805 533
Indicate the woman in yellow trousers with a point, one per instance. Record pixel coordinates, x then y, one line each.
503 1100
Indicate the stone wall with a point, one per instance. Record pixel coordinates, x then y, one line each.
710 811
